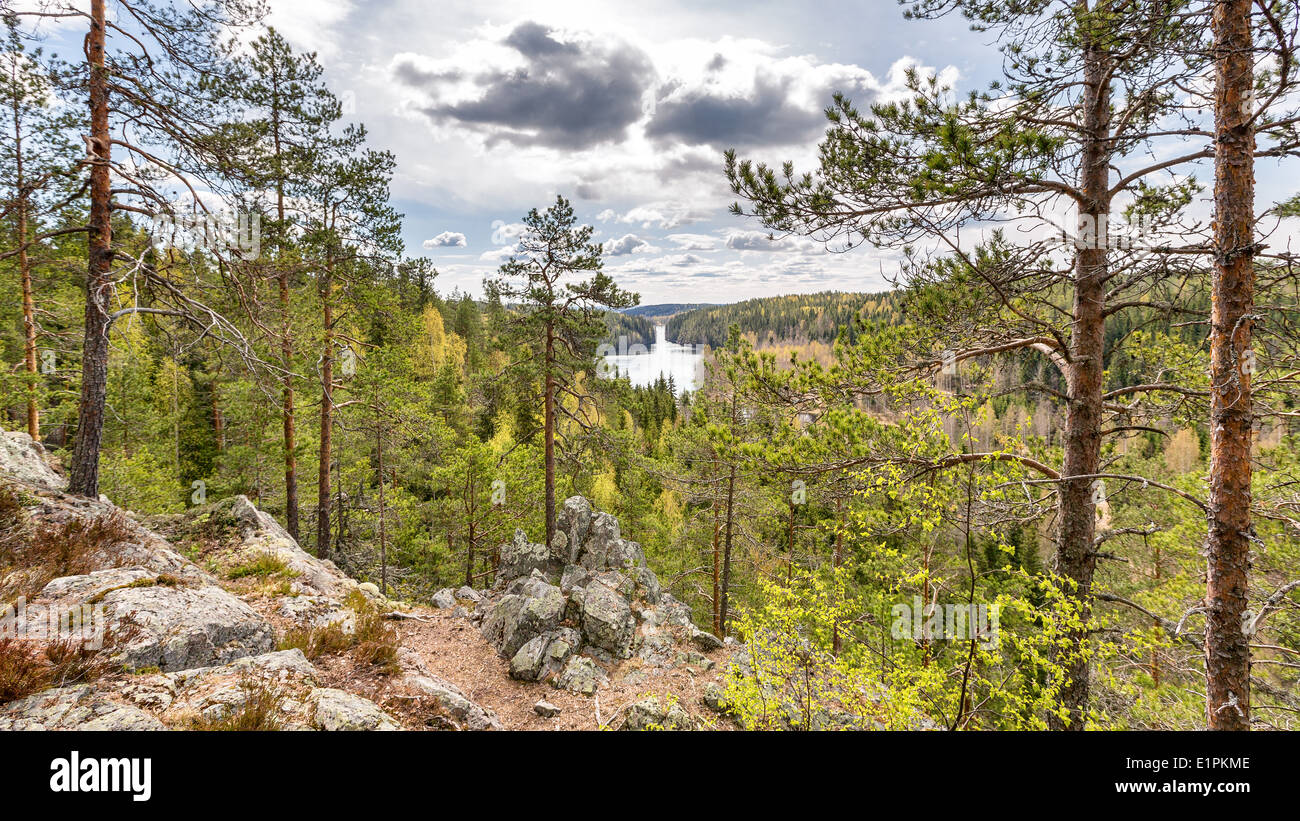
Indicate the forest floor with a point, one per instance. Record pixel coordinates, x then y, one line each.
454 649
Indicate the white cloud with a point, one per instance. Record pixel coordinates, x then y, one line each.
447 239
627 244
693 242
498 255
663 215
505 233
759 241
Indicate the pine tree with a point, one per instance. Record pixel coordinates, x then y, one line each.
290 135
558 319
36 178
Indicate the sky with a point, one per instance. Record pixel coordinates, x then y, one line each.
625 108
493 107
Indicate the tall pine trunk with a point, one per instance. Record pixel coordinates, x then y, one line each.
326 418
717 567
1076 555
84 477
549 424
470 533
25 273
383 533
1227 645
723 613
29 304
287 418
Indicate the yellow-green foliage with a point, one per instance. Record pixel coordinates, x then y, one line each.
265 564
793 680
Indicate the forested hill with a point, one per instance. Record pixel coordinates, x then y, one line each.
665 309
790 318
636 325
633 330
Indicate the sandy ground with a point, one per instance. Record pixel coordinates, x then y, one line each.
454 649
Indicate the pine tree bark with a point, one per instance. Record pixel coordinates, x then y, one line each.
326 419
287 417
29 304
1076 557
83 479
383 534
25 273
1227 645
726 552
549 426
717 567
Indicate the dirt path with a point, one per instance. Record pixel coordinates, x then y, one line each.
454 649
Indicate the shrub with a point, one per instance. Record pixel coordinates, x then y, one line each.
266 564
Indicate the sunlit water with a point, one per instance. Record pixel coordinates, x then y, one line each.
681 362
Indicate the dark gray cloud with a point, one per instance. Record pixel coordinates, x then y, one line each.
408 72
534 40
570 95
766 117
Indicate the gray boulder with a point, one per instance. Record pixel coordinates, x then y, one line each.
607 620
650 714
166 624
444 599
544 656
581 676
706 641
530 607
340 710
80 707
24 459
521 557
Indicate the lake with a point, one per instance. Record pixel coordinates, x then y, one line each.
642 367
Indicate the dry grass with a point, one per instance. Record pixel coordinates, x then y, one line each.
260 710
43 552
373 639
28 666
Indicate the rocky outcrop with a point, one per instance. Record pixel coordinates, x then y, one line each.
193 653
196 602
340 710
168 625
529 607
651 714
81 707
24 460
568 613
270 691
233 533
